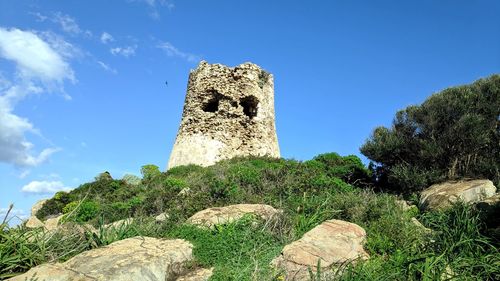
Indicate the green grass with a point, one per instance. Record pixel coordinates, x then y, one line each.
237 251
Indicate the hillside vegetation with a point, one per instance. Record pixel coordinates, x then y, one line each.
453 134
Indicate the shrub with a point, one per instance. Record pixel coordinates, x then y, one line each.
131 179
453 134
83 211
150 171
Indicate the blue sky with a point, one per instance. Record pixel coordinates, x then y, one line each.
82 83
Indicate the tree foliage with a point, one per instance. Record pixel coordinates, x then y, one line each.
453 134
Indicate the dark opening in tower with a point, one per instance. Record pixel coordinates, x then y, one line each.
249 105
213 104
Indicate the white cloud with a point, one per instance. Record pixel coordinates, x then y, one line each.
124 51
106 38
39 16
107 68
66 22
153 6
172 51
34 57
40 66
44 187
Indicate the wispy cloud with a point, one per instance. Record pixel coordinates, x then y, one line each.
172 51
126 51
106 38
67 23
44 187
109 69
154 5
41 66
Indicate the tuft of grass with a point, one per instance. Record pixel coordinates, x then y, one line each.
238 251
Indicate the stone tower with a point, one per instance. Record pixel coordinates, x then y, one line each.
228 112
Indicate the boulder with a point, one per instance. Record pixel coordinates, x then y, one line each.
333 244
201 274
404 205
443 195
220 215
418 224
162 217
53 223
34 222
138 259
37 206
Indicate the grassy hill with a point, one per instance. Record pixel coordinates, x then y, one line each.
310 192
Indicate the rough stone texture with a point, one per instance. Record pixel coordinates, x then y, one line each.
418 224
439 196
201 274
162 217
334 242
34 222
404 205
37 206
138 259
228 112
53 223
220 215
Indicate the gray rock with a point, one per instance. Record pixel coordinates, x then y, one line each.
138 259
220 215
37 206
201 274
420 225
334 243
53 223
34 222
162 217
443 195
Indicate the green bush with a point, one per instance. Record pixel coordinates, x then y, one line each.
81 211
131 179
150 171
453 134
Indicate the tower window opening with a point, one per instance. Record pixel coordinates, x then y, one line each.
213 104
249 105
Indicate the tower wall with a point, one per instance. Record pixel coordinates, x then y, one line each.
228 112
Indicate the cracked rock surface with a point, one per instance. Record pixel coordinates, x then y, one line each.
228 112
220 215
443 195
334 243
138 258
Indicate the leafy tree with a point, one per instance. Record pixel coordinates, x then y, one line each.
150 171
453 134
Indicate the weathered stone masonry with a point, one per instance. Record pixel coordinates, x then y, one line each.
228 112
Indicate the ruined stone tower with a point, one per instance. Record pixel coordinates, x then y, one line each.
228 112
